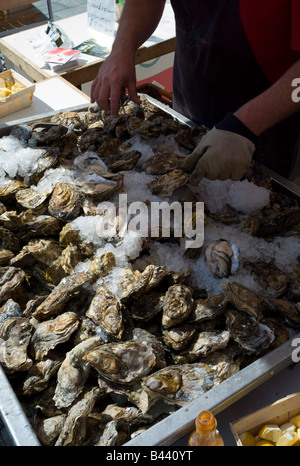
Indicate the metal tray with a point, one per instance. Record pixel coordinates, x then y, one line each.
175 426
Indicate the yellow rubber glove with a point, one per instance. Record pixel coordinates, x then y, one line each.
220 155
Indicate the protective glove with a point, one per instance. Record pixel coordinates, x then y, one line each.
225 152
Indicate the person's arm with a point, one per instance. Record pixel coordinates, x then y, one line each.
138 21
226 151
273 105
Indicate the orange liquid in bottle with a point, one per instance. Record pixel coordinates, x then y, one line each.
206 433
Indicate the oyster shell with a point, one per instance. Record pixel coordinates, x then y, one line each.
48 430
9 309
31 198
56 300
44 251
65 202
244 299
123 362
208 308
106 311
73 373
179 337
288 312
39 374
11 279
136 283
50 333
221 258
251 335
269 276
178 304
163 162
15 333
179 384
166 184
147 306
203 344
74 429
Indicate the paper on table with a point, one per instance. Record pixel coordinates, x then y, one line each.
60 55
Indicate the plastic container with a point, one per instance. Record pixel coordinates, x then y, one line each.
18 100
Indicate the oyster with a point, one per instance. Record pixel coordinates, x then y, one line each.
288 312
122 362
269 276
48 429
179 337
55 302
208 308
147 338
11 279
65 202
64 264
251 335
73 373
50 333
116 432
15 333
106 311
39 374
31 198
8 240
221 258
9 309
136 283
166 184
44 251
178 304
244 299
179 384
203 344
163 162
147 306
74 429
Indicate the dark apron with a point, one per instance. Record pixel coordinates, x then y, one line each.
215 73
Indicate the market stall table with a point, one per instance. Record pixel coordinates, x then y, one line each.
18 48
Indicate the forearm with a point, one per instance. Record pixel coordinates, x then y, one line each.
138 21
273 105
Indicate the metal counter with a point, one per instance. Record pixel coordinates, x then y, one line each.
176 425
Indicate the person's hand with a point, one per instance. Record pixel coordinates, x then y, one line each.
116 74
222 153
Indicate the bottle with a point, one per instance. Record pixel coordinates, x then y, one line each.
206 433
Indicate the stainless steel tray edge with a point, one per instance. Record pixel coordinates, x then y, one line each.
180 423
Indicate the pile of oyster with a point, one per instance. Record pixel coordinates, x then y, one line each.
95 368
